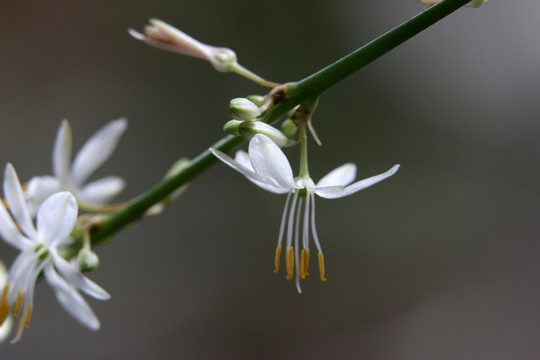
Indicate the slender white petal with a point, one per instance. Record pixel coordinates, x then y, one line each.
334 192
101 191
78 280
270 163
96 150
39 189
250 174
343 175
71 300
9 231
56 218
16 201
62 152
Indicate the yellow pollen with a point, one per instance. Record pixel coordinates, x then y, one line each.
27 315
4 305
289 260
321 267
18 304
304 263
276 261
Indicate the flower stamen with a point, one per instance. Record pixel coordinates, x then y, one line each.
276 261
289 260
5 307
304 263
27 315
321 267
18 304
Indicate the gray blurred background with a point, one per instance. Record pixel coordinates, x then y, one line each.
438 262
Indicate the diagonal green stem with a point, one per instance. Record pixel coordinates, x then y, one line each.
297 92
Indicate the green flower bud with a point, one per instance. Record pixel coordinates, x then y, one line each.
87 260
248 129
289 128
231 127
257 99
243 109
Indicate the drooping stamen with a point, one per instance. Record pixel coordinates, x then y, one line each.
321 267
276 261
291 218
297 246
283 218
5 307
304 263
313 229
18 304
28 315
289 260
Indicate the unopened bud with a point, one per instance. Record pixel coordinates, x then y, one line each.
257 100
289 128
167 37
243 109
87 260
231 127
250 128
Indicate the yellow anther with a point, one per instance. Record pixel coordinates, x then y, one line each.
276 261
304 263
27 315
4 305
18 304
321 267
289 260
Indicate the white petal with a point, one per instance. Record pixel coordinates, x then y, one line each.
334 192
270 163
343 175
62 152
242 158
78 280
16 201
96 150
56 218
101 191
71 300
39 189
249 174
9 231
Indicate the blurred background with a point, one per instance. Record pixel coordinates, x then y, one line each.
438 262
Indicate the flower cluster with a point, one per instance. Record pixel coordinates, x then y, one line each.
39 221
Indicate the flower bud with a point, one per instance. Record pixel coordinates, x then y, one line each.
250 128
289 128
167 37
257 99
231 127
243 109
87 260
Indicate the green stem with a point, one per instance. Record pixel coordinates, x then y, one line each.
297 92
314 85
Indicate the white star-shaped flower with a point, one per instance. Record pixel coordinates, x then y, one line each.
72 177
267 166
39 246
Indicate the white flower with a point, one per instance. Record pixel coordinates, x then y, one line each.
71 177
268 167
39 246
167 37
